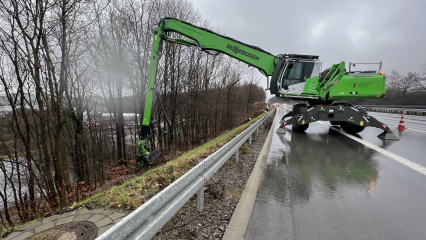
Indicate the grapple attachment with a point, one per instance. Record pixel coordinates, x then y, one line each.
145 155
148 158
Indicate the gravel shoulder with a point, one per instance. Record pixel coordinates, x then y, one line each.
222 194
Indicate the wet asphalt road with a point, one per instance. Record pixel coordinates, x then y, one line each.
324 185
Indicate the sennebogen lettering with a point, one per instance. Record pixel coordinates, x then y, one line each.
235 49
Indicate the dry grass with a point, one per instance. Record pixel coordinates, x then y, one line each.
244 150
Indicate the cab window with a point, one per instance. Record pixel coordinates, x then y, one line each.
294 71
293 74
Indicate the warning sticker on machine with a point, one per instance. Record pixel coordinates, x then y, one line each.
365 84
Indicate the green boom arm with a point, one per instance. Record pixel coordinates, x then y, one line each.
205 40
208 40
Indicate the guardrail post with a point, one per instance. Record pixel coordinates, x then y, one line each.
200 199
200 195
257 131
237 153
250 138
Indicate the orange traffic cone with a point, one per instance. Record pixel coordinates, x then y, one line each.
401 123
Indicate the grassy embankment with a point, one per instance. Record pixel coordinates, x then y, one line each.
137 191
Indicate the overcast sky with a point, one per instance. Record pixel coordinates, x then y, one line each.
393 32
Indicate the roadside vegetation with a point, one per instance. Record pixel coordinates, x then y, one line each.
73 78
134 192
137 191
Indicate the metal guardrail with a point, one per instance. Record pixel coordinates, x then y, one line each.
397 106
403 109
148 219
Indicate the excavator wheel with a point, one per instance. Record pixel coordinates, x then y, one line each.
335 123
300 108
300 128
351 128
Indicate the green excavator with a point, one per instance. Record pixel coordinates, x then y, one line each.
294 76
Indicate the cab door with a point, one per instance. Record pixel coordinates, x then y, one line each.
294 76
296 73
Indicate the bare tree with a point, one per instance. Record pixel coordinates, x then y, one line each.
67 66
421 79
402 84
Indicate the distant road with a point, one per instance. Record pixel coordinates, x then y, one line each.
402 109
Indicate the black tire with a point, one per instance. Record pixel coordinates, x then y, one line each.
351 128
335 122
300 108
300 128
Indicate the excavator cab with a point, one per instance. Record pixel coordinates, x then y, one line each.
292 71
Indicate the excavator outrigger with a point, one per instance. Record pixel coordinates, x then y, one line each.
295 76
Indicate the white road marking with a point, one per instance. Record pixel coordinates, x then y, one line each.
406 162
415 130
